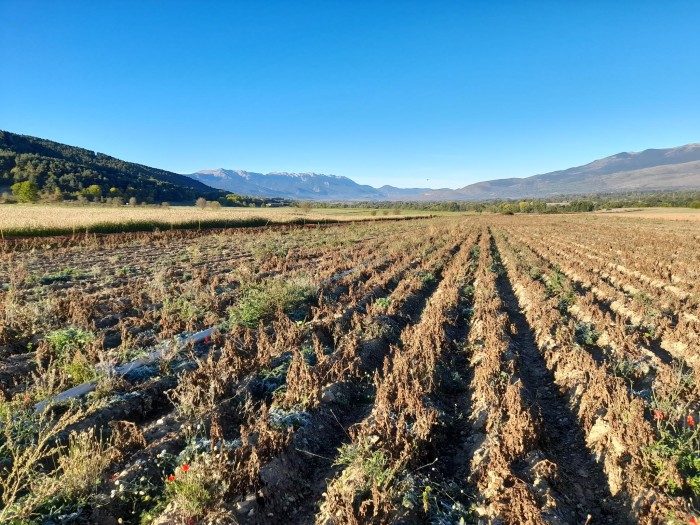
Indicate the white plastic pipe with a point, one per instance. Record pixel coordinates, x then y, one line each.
155 356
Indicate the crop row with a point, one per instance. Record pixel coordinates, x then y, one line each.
617 421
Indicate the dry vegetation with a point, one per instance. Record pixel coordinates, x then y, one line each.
38 219
446 370
665 214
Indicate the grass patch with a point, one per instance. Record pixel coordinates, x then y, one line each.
64 275
70 360
191 491
67 340
365 468
260 301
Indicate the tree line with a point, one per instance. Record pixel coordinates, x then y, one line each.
558 204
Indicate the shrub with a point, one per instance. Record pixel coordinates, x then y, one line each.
305 206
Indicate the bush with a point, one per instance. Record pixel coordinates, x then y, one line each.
25 191
305 206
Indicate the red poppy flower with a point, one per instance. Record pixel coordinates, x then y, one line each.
693 521
690 421
185 467
206 339
190 521
171 478
658 414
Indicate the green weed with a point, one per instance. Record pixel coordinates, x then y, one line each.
68 340
365 466
259 302
383 303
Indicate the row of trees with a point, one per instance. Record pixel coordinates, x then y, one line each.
29 191
565 204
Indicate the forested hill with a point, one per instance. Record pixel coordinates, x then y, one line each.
58 169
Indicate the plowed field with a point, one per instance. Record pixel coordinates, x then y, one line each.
450 370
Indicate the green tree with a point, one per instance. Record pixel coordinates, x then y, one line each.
525 207
93 191
26 191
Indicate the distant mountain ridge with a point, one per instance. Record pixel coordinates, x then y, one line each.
648 170
307 186
59 168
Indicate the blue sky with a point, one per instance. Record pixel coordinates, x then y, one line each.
427 93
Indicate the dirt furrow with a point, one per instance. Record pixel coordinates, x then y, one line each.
293 483
612 419
580 483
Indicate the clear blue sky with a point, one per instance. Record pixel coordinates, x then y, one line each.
382 92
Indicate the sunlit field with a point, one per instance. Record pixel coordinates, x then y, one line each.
668 214
309 375
38 219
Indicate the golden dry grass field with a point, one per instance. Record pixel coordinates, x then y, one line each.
38 219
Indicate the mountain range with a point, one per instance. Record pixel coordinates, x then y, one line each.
59 168
648 170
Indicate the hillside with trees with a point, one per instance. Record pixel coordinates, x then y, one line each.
37 168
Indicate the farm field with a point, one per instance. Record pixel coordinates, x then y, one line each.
460 369
42 219
668 214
